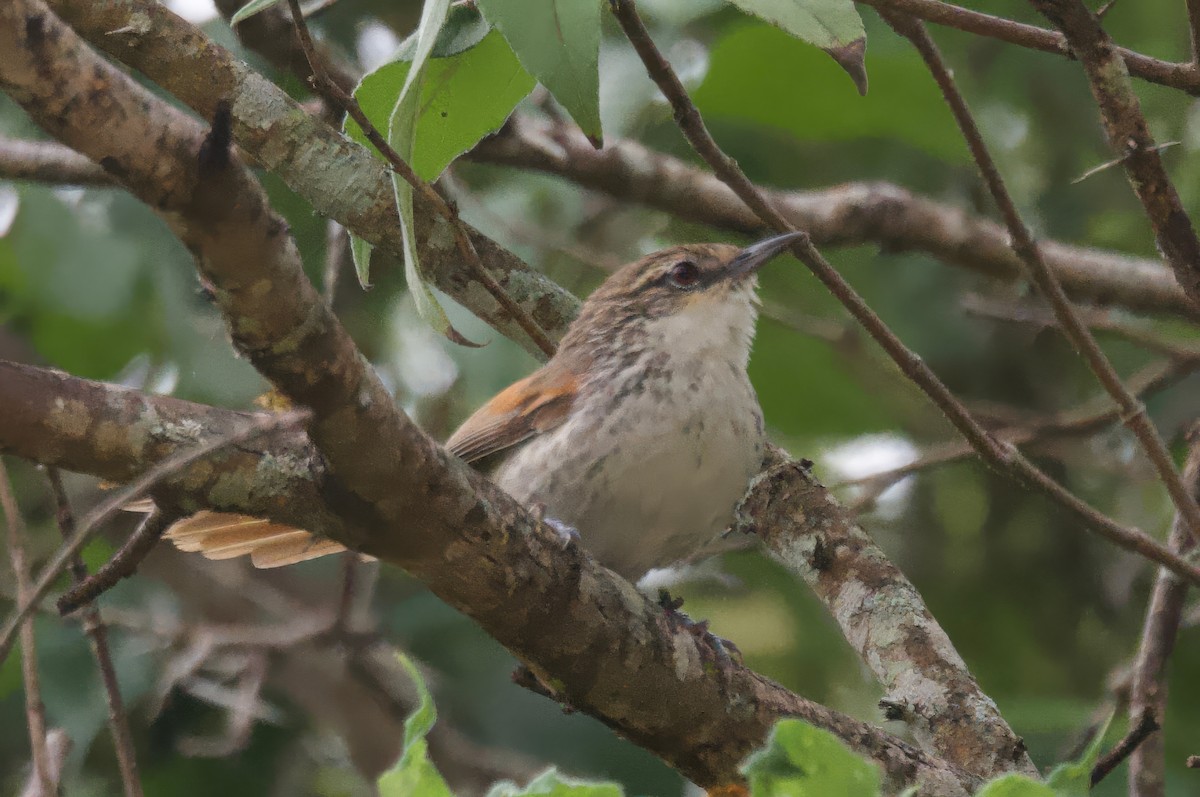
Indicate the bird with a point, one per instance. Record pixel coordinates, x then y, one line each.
637 437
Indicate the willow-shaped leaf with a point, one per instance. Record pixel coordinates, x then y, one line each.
558 41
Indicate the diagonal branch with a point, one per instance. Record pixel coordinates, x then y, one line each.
1184 77
1001 455
43 776
97 634
1148 693
844 215
998 749
1133 411
1129 137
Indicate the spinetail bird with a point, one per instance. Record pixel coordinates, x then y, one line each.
639 435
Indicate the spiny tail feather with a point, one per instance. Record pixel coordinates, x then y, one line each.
222 535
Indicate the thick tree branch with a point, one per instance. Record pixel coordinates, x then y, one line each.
114 433
48 162
1129 137
853 213
570 620
341 179
882 616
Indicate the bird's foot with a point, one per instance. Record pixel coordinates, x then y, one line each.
566 534
725 650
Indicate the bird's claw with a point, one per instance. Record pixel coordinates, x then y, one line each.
725 650
566 534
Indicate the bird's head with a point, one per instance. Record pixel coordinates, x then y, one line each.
695 296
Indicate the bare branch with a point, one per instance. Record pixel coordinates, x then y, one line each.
844 215
1129 137
1139 732
97 633
107 509
1133 411
35 712
58 746
1148 693
1184 77
48 162
1193 12
1001 455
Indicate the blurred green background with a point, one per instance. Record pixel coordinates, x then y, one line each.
1046 616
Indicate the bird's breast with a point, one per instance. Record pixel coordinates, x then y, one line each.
651 461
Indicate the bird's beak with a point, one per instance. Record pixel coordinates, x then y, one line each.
749 259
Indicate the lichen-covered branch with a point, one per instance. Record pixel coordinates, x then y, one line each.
114 432
844 215
881 614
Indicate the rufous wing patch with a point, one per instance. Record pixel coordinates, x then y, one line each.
531 406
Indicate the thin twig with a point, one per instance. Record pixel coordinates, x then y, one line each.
337 246
1193 12
1133 410
1117 162
122 564
1130 139
1184 77
1001 455
136 489
445 209
343 616
58 746
1078 422
1148 687
97 633
35 711
1145 726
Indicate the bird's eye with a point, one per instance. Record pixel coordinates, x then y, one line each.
684 274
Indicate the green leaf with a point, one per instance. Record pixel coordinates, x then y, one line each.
1075 779
553 784
558 41
832 25
465 97
401 135
1015 786
250 9
800 760
360 253
760 75
414 773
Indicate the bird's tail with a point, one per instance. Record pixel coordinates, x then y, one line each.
221 535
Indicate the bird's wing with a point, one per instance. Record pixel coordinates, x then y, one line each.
536 404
